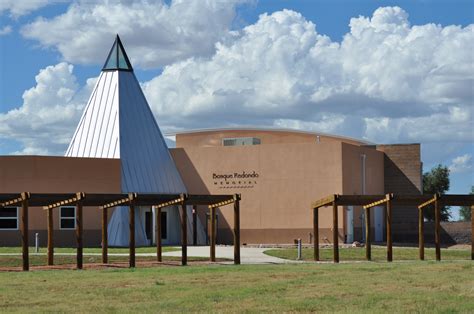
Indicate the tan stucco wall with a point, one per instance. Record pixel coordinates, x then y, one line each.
41 174
275 207
215 137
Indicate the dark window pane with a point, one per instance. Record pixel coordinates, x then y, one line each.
8 212
67 223
67 212
148 224
8 224
164 231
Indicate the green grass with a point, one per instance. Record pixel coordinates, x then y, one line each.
378 254
361 287
145 249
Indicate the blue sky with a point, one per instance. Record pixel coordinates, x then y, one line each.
385 71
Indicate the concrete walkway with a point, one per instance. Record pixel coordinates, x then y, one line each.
247 255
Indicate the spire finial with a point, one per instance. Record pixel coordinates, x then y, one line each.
117 58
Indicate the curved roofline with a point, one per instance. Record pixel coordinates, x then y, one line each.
270 129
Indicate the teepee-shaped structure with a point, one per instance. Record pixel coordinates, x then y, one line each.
118 123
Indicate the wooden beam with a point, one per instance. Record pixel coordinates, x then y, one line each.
105 242
213 234
428 202
326 201
335 233
125 200
24 231
178 200
71 200
12 201
237 229
379 202
194 225
79 230
472 232
184 235
421 235
159 250
50 237
131 227
316 233
437 203
368 236
388 211
221 203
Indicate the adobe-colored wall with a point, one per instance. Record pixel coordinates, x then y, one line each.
352 178
275 207
403 172
214 138
41 174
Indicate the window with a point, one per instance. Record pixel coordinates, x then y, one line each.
164 230
9 218
67 217
239 141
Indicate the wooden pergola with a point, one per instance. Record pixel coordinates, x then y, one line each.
388 201
49 201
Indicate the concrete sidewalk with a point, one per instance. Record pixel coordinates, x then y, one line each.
247 255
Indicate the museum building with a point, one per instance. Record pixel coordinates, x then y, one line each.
118 147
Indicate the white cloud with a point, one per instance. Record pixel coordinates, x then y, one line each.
5 30
18 8
387 81
461 164
154 33
49 113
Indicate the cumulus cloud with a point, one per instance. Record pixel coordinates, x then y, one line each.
50 111
5 30
461 164
18 8
387 81
154 33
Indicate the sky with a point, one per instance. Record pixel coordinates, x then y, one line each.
383 71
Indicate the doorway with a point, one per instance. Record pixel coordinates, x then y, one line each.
350 224
150 222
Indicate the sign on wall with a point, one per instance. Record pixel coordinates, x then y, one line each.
232 180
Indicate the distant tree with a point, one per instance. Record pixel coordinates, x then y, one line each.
436 181
465 211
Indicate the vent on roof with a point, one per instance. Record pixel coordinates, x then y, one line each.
239 141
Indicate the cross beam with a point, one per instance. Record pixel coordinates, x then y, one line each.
79 196
179 200
131 197
222 203
380 202
428 202
23 196
324 201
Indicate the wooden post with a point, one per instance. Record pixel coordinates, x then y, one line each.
335 233
388 211
472 232
158 235
437 226
24 231
421 235
368 236
79 229
50 237
184 234
194 225
131 226
237 229
213 234
105 243
316 233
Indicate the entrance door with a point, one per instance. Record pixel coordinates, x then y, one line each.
378 222
350 224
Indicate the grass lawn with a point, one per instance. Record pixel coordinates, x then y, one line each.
378 254
145 249
360 287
